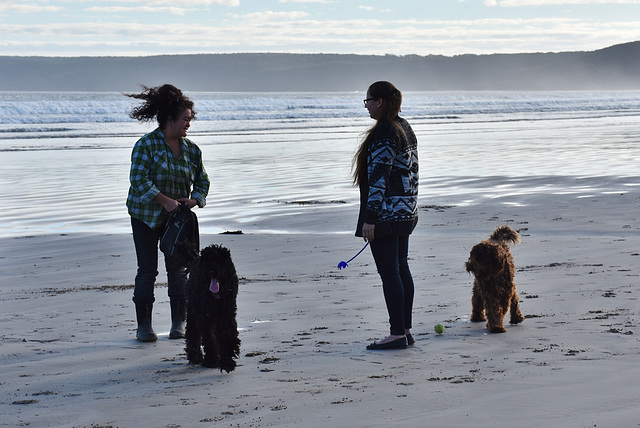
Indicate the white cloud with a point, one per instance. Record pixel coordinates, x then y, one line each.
270 15
517 3
120 31
182 3
266 33
13 7
138 9
307 1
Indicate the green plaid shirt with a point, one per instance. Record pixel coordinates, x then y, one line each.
154 169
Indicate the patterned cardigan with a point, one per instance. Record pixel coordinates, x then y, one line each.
389 197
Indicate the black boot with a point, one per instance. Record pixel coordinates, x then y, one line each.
178 317
145 332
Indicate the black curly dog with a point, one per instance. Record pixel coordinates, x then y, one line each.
211 310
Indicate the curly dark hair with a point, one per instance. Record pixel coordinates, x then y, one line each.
161 102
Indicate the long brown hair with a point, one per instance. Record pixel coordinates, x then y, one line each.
392 101
161 102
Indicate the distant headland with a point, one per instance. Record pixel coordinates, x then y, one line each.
612 68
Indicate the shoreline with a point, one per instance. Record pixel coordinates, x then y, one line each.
468 196
70 357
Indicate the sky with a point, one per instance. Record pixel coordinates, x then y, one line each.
392 27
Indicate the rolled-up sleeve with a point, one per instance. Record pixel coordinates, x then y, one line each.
139 176
201 185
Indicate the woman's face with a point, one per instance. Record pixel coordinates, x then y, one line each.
373 105
177 128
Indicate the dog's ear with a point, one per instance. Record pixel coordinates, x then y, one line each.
486 260
225 251
225 255
499 260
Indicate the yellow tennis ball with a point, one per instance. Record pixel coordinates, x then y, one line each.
439 328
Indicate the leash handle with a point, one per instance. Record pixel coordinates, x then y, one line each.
343 264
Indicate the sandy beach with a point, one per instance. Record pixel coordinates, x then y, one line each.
70 358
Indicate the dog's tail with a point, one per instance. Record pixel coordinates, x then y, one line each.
504 234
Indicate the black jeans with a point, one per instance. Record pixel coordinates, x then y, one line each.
146 241
390 254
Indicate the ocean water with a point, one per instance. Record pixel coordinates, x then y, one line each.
281 162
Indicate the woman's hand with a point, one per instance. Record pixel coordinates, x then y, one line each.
188 202
368 231
170 205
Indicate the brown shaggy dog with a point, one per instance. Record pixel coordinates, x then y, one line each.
494 288
211 310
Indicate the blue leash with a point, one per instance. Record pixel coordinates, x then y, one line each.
342 265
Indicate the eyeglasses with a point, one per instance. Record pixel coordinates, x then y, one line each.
367 100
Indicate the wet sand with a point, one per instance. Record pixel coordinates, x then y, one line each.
70 357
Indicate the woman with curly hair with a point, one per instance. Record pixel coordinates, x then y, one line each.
166 171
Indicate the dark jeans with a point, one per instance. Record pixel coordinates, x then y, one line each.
146 241
390 254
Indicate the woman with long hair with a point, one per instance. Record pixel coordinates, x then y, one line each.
166 171
386 171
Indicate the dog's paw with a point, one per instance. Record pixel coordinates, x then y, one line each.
227 366
497 329
194 357
211 364
478 318
517 319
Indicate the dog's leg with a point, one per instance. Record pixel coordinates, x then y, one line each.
516 315
229 346
210 346
192 334
496 310
477 305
